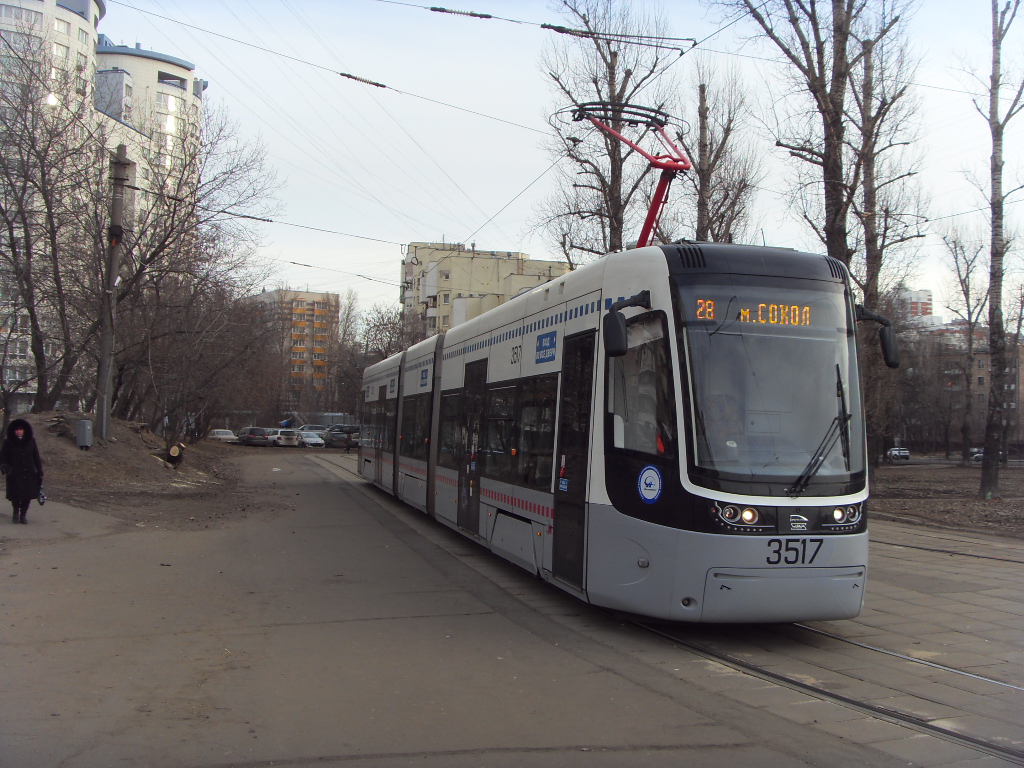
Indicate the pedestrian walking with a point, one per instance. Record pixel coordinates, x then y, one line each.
21 464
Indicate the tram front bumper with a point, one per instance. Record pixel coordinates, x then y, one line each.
782 594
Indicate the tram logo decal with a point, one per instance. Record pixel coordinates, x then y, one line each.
798 522
547 343
424 379
649 484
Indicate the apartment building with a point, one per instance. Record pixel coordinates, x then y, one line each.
309 323
448 283
143 99
152 92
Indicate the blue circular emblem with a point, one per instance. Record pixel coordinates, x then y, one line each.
649 484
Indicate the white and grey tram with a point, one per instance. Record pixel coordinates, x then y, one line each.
701 458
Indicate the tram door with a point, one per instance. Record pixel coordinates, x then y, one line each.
572 465
379 427
471 422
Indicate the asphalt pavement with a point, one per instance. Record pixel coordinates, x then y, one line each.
334 632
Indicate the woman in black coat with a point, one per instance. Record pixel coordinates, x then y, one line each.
20 462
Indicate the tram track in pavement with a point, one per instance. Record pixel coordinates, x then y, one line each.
682 636
943 551
912 659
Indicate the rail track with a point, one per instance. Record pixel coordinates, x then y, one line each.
684 637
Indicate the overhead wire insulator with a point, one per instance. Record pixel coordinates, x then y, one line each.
567 30
473 14
362 80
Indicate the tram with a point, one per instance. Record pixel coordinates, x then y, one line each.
674 431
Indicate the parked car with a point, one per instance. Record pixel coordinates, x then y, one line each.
284 437
311 440
339 436
254 436
980 456
346 440
222 435
899 454
320 429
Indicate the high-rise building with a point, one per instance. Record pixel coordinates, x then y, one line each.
152 92
114 94
917 308
308 323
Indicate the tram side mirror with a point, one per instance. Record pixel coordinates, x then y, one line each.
886 335
890 349
615 341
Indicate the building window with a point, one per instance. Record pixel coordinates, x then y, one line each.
445 298
444 321
298 368
61 51
170 102
83 61
64 27
29 18
83 37
446 275
981 381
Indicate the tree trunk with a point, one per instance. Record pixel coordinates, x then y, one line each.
997 332
703 165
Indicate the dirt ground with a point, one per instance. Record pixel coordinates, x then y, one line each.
947 496
126 478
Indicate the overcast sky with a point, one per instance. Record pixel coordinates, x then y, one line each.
393 165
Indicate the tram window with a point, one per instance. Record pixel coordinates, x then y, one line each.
415 426
537 399
640 397
450 446
499 433
388 427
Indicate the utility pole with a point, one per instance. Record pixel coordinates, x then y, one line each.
115 234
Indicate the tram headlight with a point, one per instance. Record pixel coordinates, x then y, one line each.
839 515
729 513
739 519
853 514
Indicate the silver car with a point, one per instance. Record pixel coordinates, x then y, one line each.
311 440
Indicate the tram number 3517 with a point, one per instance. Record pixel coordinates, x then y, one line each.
793 551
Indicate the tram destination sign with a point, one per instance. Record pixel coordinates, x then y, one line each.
760 314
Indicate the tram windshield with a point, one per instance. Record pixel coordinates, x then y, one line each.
773 385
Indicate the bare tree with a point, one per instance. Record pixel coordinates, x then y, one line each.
966 255
882 115
347 358
815 40
998 117
726 167
601 187
382 332
49 150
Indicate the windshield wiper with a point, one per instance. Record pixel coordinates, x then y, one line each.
839 428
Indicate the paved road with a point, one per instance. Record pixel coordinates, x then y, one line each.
335 633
